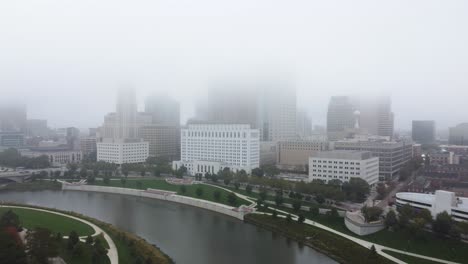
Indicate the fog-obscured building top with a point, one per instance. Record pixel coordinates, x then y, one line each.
424 131
164 110
458 135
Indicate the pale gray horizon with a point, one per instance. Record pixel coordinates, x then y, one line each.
65 59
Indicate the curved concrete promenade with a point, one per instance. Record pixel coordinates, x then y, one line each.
166 196
111 253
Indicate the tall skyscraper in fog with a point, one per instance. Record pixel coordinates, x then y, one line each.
376 115
339 117
303 124
126 114
269 107
423 131
13 117
164 110
458 135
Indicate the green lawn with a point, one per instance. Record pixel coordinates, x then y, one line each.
56 223
430 245
163 185
409 259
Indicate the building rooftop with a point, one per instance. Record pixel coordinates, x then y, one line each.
343 154
429 198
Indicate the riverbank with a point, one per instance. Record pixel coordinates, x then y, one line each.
336 247
166 196
130 247
38 185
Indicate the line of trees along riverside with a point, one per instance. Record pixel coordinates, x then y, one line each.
12 158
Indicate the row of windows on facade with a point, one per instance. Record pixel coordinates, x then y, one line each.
214 134
337 167
337 162
340 172
330 176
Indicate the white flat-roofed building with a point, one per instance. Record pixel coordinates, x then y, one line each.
212 147
344 165
56 156
120 151
436 203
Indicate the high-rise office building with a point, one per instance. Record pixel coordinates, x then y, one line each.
423 131
303 124
339 117
269 107
37 128
458 135
376 116
164 110
13 118
164 141
119 140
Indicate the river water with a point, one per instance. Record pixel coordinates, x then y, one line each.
186 234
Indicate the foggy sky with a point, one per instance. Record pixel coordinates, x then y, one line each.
65 59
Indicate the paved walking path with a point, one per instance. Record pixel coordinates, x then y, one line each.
364 243
111 253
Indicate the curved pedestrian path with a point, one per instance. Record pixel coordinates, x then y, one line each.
364 243
112 253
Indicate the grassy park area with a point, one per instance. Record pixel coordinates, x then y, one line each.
208 192
429 244
55 223
409 259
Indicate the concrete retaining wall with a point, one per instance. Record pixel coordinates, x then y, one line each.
216 207
363 229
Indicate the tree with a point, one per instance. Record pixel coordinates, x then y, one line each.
99 253
279 199
319 199
442 223
57 173
381 191
371 214
217 195
425 214
232 198
106 180
334 213
416 227
73 239
91 179
143 172
9 218
10 250
391 219
271 170
301 219
123 181
297 205
356 189
248 189
263 194
72 168
257 172
89 240
314 210
83 173
274 214
199 191
41 245
236 185
227 181
183 189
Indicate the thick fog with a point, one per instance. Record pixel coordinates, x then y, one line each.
65 59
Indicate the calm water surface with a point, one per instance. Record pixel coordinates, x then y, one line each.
186 234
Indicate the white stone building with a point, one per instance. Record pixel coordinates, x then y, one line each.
57 156
344 165
120 151
212 147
